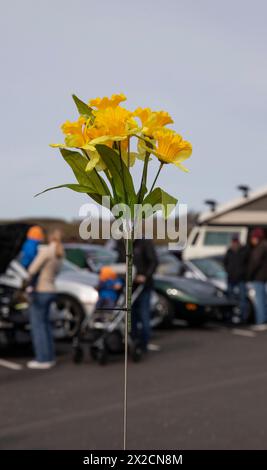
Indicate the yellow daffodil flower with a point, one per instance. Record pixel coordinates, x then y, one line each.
111 123
116 123
171 148
103 103
152 120
75 132
73 127
81 134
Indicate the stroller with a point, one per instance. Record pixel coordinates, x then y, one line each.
104 332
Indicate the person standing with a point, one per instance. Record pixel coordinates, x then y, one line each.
145 263
45 267
257 273
235 263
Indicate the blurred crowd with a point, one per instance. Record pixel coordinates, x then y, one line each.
245 264
42 255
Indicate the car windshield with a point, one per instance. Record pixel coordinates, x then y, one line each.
102 257
91 256
223 238
210 267
169 264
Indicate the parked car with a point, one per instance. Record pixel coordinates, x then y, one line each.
204 269
91 256
191 300
211 241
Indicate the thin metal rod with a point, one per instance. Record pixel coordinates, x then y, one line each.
126 352
127 328
125 383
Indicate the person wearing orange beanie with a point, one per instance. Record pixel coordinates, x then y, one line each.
35 236
109 286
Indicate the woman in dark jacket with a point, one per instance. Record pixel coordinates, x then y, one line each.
235 263
145 262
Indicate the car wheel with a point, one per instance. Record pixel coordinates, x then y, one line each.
66 316
162 311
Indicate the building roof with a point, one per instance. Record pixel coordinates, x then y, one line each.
251 210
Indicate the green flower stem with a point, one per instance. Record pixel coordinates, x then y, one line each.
128 154
142 189
144 139
122 172
156 177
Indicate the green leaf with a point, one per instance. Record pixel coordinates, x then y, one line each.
77 188
121 176
78 163
82 107
158 196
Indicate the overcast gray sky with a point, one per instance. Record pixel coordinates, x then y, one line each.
204 61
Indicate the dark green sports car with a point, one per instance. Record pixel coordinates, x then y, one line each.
191 300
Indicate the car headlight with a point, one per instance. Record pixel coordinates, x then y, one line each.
174 292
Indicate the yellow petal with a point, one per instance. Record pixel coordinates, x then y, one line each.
99 140
182 167
63 146
89 147
105 102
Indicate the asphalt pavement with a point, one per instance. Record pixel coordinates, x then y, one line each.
205 389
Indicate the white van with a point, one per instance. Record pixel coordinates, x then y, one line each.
212 241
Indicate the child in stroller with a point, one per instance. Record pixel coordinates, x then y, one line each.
104 330
110 285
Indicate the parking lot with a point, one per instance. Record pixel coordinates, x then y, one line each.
205 389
